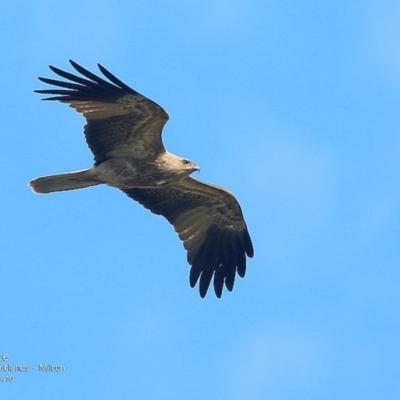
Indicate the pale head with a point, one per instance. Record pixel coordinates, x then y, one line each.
177 165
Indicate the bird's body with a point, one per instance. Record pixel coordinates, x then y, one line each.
120 172
124 133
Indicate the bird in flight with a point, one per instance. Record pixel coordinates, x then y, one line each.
123 131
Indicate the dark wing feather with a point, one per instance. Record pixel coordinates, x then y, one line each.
120 121
209 221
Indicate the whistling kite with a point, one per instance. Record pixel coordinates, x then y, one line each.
123 131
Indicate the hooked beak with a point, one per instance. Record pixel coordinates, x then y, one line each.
196 168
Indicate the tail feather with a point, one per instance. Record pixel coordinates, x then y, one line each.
67 181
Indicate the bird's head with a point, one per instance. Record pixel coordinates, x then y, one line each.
179 166
188 165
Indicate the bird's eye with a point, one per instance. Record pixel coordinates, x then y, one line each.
185 162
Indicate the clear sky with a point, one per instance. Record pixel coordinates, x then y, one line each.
295 107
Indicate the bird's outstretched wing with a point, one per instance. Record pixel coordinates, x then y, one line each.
209 221
120 121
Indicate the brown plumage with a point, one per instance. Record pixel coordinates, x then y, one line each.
123 131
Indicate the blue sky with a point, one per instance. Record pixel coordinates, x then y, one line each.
293 106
